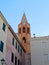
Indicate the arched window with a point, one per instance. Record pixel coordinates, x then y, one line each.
24 30
19 30
24 40
28 30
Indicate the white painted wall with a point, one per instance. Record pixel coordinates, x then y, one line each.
40 50
3 37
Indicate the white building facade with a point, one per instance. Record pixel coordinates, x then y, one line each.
40 50
3 37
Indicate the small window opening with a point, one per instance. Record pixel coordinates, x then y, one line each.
24 40
28 30
19 30
23 29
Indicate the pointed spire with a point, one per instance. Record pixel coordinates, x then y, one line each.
24 19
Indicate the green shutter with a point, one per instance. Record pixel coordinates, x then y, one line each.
13 41
16 45
4 26
1 46
12 57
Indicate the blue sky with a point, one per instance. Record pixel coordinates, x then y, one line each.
37 13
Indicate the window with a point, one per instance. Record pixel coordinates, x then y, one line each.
15 60
19 30
1 46
21 52
28 30
12 57
24 40
13 41
18 62
18 48
4 26
16 45
23 29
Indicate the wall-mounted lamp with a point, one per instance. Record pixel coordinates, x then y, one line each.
3 61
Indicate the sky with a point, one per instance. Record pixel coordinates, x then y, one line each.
37 13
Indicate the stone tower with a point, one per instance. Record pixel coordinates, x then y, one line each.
24 34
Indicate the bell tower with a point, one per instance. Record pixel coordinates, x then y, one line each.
24 33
